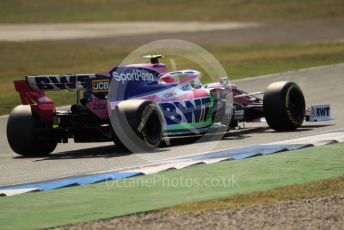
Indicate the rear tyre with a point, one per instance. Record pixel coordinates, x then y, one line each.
21 134
144 121
119 144
284 106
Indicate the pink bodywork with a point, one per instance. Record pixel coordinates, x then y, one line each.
45 107
41 104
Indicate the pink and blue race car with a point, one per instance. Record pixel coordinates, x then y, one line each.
141 106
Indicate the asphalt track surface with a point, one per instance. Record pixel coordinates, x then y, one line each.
320 85
66 31
196 32
259 33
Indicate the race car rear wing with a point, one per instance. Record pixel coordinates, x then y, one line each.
59 82
32 90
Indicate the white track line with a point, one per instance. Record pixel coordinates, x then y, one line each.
272 75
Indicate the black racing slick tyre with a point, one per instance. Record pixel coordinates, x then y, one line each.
143 119
21 134
284 106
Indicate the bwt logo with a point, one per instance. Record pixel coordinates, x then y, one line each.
59 82
322 112
100 85
134 75
177 112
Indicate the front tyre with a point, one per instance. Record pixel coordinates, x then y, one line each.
284 106
21 134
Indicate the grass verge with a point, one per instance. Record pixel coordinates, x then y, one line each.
19 59
193 184
163 10
322 188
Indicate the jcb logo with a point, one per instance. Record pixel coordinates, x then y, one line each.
100 86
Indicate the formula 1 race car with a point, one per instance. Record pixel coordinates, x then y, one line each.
148 102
